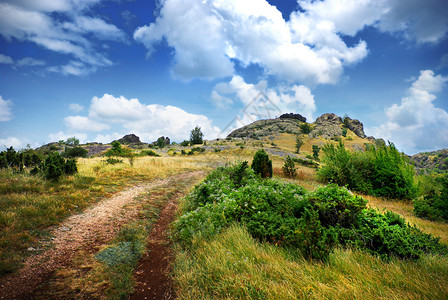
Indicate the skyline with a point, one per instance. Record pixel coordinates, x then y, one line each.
99 69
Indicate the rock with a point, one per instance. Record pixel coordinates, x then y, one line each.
327 127
31 249
298 117
265 128
356 126
329 118
130 139
431 160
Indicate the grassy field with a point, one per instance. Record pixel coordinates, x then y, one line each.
233 264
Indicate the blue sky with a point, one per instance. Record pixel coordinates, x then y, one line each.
99 69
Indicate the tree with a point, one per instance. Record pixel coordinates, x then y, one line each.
261 164
289 168
196 136
316 150
161 142
72 141
299 143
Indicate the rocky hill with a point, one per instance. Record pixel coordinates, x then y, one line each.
326 126
435 160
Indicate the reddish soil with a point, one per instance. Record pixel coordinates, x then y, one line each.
153 271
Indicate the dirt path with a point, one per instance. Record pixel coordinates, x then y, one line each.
97 225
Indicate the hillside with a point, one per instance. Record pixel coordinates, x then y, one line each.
435 160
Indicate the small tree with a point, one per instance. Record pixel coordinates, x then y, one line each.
72 141
196 136
161 142
344 132
299 144
289 168
316 150
261 164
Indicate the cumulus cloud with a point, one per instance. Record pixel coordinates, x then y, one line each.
59 26
148 121
261 102
5 110
14 142
78 123
416 124
29 62
209 36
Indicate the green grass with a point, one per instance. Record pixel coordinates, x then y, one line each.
235 266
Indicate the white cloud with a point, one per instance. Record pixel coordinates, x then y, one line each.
295 98
30 62
4 59
61 135
416 124
76 107
148 121
60 27
208 36
253 32
15 142
79 123
5 110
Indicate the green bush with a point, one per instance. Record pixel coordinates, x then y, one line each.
73 152
117 150
149 153
185 143
113 161
282 213
261 164
434 205
316 150
305 127
380 170
55 166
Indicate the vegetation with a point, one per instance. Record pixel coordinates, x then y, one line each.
305 127
284 214
380 170
299 144
261 164
289 168
73 152
434 205
196 136
160 142
316 150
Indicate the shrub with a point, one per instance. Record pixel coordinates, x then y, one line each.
117 150
75 152
286 215
70 167
289 168
380 170
261 164
185 143
55 166
305 127
161 142
149 153
113 161
434 205
344 132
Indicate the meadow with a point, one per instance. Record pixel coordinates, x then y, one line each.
232 264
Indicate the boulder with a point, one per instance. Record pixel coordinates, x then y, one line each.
293 116
329 119
356 126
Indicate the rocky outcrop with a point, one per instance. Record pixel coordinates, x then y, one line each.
130 139
297 117
267 127
356 126
327 127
